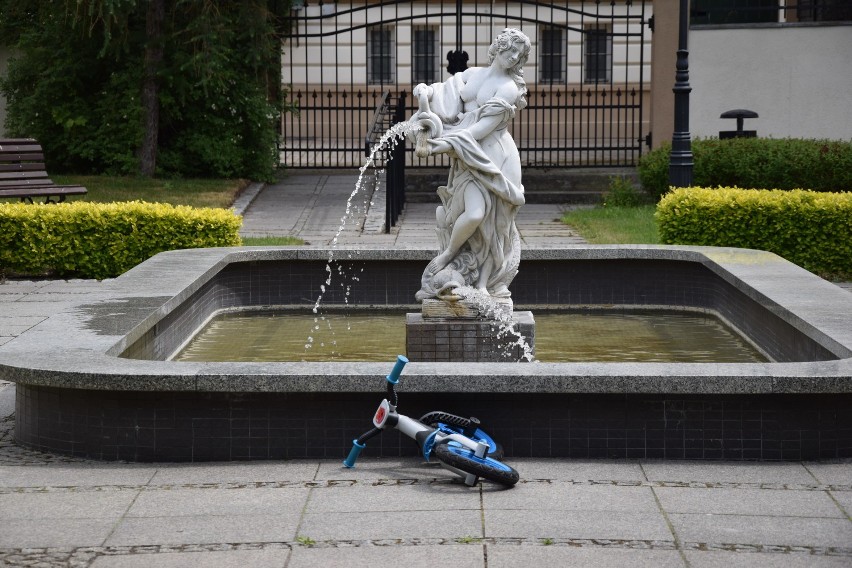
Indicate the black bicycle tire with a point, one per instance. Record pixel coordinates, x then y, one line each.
479 468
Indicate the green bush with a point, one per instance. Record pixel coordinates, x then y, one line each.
103 240
808 228
623 193
789 163
75 82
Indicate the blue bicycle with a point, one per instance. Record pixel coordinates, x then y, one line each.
458 443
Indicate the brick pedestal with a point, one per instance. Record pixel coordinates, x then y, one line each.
467 340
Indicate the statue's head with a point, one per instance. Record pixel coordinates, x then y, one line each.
504 41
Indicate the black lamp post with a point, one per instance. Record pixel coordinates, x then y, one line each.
680 160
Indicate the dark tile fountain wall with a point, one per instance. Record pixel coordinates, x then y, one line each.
169 426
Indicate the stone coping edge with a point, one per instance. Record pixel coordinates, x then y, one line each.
75 348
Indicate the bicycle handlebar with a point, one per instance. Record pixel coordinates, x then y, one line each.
359 444
393 378
353 454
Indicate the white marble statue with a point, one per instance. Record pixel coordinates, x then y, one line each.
467 117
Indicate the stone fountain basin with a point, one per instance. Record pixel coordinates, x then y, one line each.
106 356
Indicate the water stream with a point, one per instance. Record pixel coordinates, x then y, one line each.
491 309
388 141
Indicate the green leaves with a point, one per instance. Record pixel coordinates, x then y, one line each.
103 240
790 163
76 83
811 229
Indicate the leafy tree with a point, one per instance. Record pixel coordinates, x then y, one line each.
186 87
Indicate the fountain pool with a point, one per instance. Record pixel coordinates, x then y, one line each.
94 380
564 336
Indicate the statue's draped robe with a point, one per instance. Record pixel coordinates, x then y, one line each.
496 241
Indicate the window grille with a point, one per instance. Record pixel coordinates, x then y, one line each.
424 56
381 60
551 55
597 55
722 12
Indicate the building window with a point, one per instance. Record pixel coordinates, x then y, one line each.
821 11
551 55
733 11
381 60
721 12
424 56
597 55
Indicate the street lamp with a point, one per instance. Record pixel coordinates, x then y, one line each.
680 160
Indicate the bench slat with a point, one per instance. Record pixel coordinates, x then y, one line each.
43 190
21 156
23 185
22 167
19 143
20 149
23 176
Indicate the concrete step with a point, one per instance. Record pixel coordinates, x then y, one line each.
554 185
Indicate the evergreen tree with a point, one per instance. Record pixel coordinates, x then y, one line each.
185 87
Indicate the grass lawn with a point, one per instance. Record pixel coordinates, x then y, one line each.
615 225
195 192
271 241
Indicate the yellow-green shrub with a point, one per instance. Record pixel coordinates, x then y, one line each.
102 240
811 229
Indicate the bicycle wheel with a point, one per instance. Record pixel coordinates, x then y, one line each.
487 468
460 425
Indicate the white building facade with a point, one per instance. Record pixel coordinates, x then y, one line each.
587 74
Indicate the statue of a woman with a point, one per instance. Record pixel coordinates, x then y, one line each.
467 118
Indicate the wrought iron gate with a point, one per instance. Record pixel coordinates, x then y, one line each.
587 75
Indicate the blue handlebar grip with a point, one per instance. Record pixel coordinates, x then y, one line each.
393 378
353 454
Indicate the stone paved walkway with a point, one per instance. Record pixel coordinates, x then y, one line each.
60 511
314 207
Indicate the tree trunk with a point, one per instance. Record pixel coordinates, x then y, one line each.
150 86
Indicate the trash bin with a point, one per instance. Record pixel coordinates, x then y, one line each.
740 114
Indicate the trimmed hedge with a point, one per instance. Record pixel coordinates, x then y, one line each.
789 163
811 229
103 240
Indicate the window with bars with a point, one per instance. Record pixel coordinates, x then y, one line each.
821 11
733 11
721 12
597 55
425 62
551 55
381 55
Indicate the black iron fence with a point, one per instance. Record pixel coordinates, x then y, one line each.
587 75
721 12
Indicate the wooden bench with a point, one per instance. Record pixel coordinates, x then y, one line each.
23 174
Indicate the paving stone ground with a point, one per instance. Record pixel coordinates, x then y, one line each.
326 210
61 511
